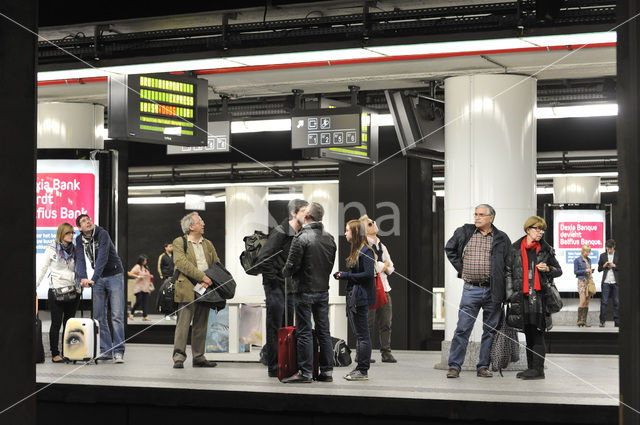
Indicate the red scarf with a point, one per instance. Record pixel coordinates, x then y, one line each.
525 266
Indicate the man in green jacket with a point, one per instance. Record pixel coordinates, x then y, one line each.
192 261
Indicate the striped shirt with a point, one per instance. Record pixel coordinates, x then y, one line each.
476 257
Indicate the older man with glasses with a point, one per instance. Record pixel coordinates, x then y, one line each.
478 252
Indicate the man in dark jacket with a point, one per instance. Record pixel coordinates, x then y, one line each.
607 264
165 262
94 244
310 260
478 252
271 260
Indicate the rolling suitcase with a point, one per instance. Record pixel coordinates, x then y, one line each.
287 358
81 340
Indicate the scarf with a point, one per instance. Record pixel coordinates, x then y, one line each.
65 253
87 243
525 266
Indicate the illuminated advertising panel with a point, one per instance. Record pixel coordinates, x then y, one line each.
64 190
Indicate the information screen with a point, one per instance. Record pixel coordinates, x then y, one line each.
324 128
366 153
160 108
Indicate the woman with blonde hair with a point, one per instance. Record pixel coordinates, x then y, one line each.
530 268
360 295
583 271
59 261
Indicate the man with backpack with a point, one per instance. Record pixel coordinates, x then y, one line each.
271 260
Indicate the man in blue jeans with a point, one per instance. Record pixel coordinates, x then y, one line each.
607 264
478 252
94 244
310 261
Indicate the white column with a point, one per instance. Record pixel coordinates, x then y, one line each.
246 210
576 190
70 125
326 194
490 157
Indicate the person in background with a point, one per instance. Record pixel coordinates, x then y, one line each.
608 265
140 272
380 318
360 295
583 271
59 261
165 262
271 260
531 266
94 244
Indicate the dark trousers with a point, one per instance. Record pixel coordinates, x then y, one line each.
380 325
142 299
359 321
316 304
609 291
60 313
274 300
535 347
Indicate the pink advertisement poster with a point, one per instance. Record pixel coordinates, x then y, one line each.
62 197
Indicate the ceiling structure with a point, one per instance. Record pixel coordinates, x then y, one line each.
259 86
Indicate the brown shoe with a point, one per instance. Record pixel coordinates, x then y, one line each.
453 373
484 373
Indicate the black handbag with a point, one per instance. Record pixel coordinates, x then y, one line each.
223 282
552 300
65 294
504 347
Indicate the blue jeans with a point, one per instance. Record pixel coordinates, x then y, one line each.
316 303
609 291
274 295
359 321
106 291
474 298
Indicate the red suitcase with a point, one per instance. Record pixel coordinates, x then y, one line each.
287 359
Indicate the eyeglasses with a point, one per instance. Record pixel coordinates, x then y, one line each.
85 220
539 229
371 223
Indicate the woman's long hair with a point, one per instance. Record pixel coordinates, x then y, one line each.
140 261
358 240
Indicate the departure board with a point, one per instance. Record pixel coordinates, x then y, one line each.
160 108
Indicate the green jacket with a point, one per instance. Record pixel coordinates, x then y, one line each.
186 263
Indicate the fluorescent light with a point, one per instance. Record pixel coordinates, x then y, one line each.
573 39
552 175
450 47
578 111
544 190
204 186
382 120
71 74
156 200
260 125
283 196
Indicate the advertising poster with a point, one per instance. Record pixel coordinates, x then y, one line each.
571 230
64 190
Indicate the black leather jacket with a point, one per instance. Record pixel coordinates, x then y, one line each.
499 250
514 281
274 253
310 260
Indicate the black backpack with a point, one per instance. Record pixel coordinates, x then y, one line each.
341 352
166 302
249 257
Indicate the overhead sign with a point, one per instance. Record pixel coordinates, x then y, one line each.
324 128
218 139
158 108
572 229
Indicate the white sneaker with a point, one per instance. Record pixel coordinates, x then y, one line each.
117 358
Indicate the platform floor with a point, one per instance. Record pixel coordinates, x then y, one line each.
570 379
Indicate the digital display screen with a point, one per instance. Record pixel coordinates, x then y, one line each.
318 128
161 108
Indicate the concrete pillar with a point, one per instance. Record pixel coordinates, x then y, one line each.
490 157
70 126
576 190
246 210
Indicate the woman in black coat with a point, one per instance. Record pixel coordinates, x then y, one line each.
526 282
